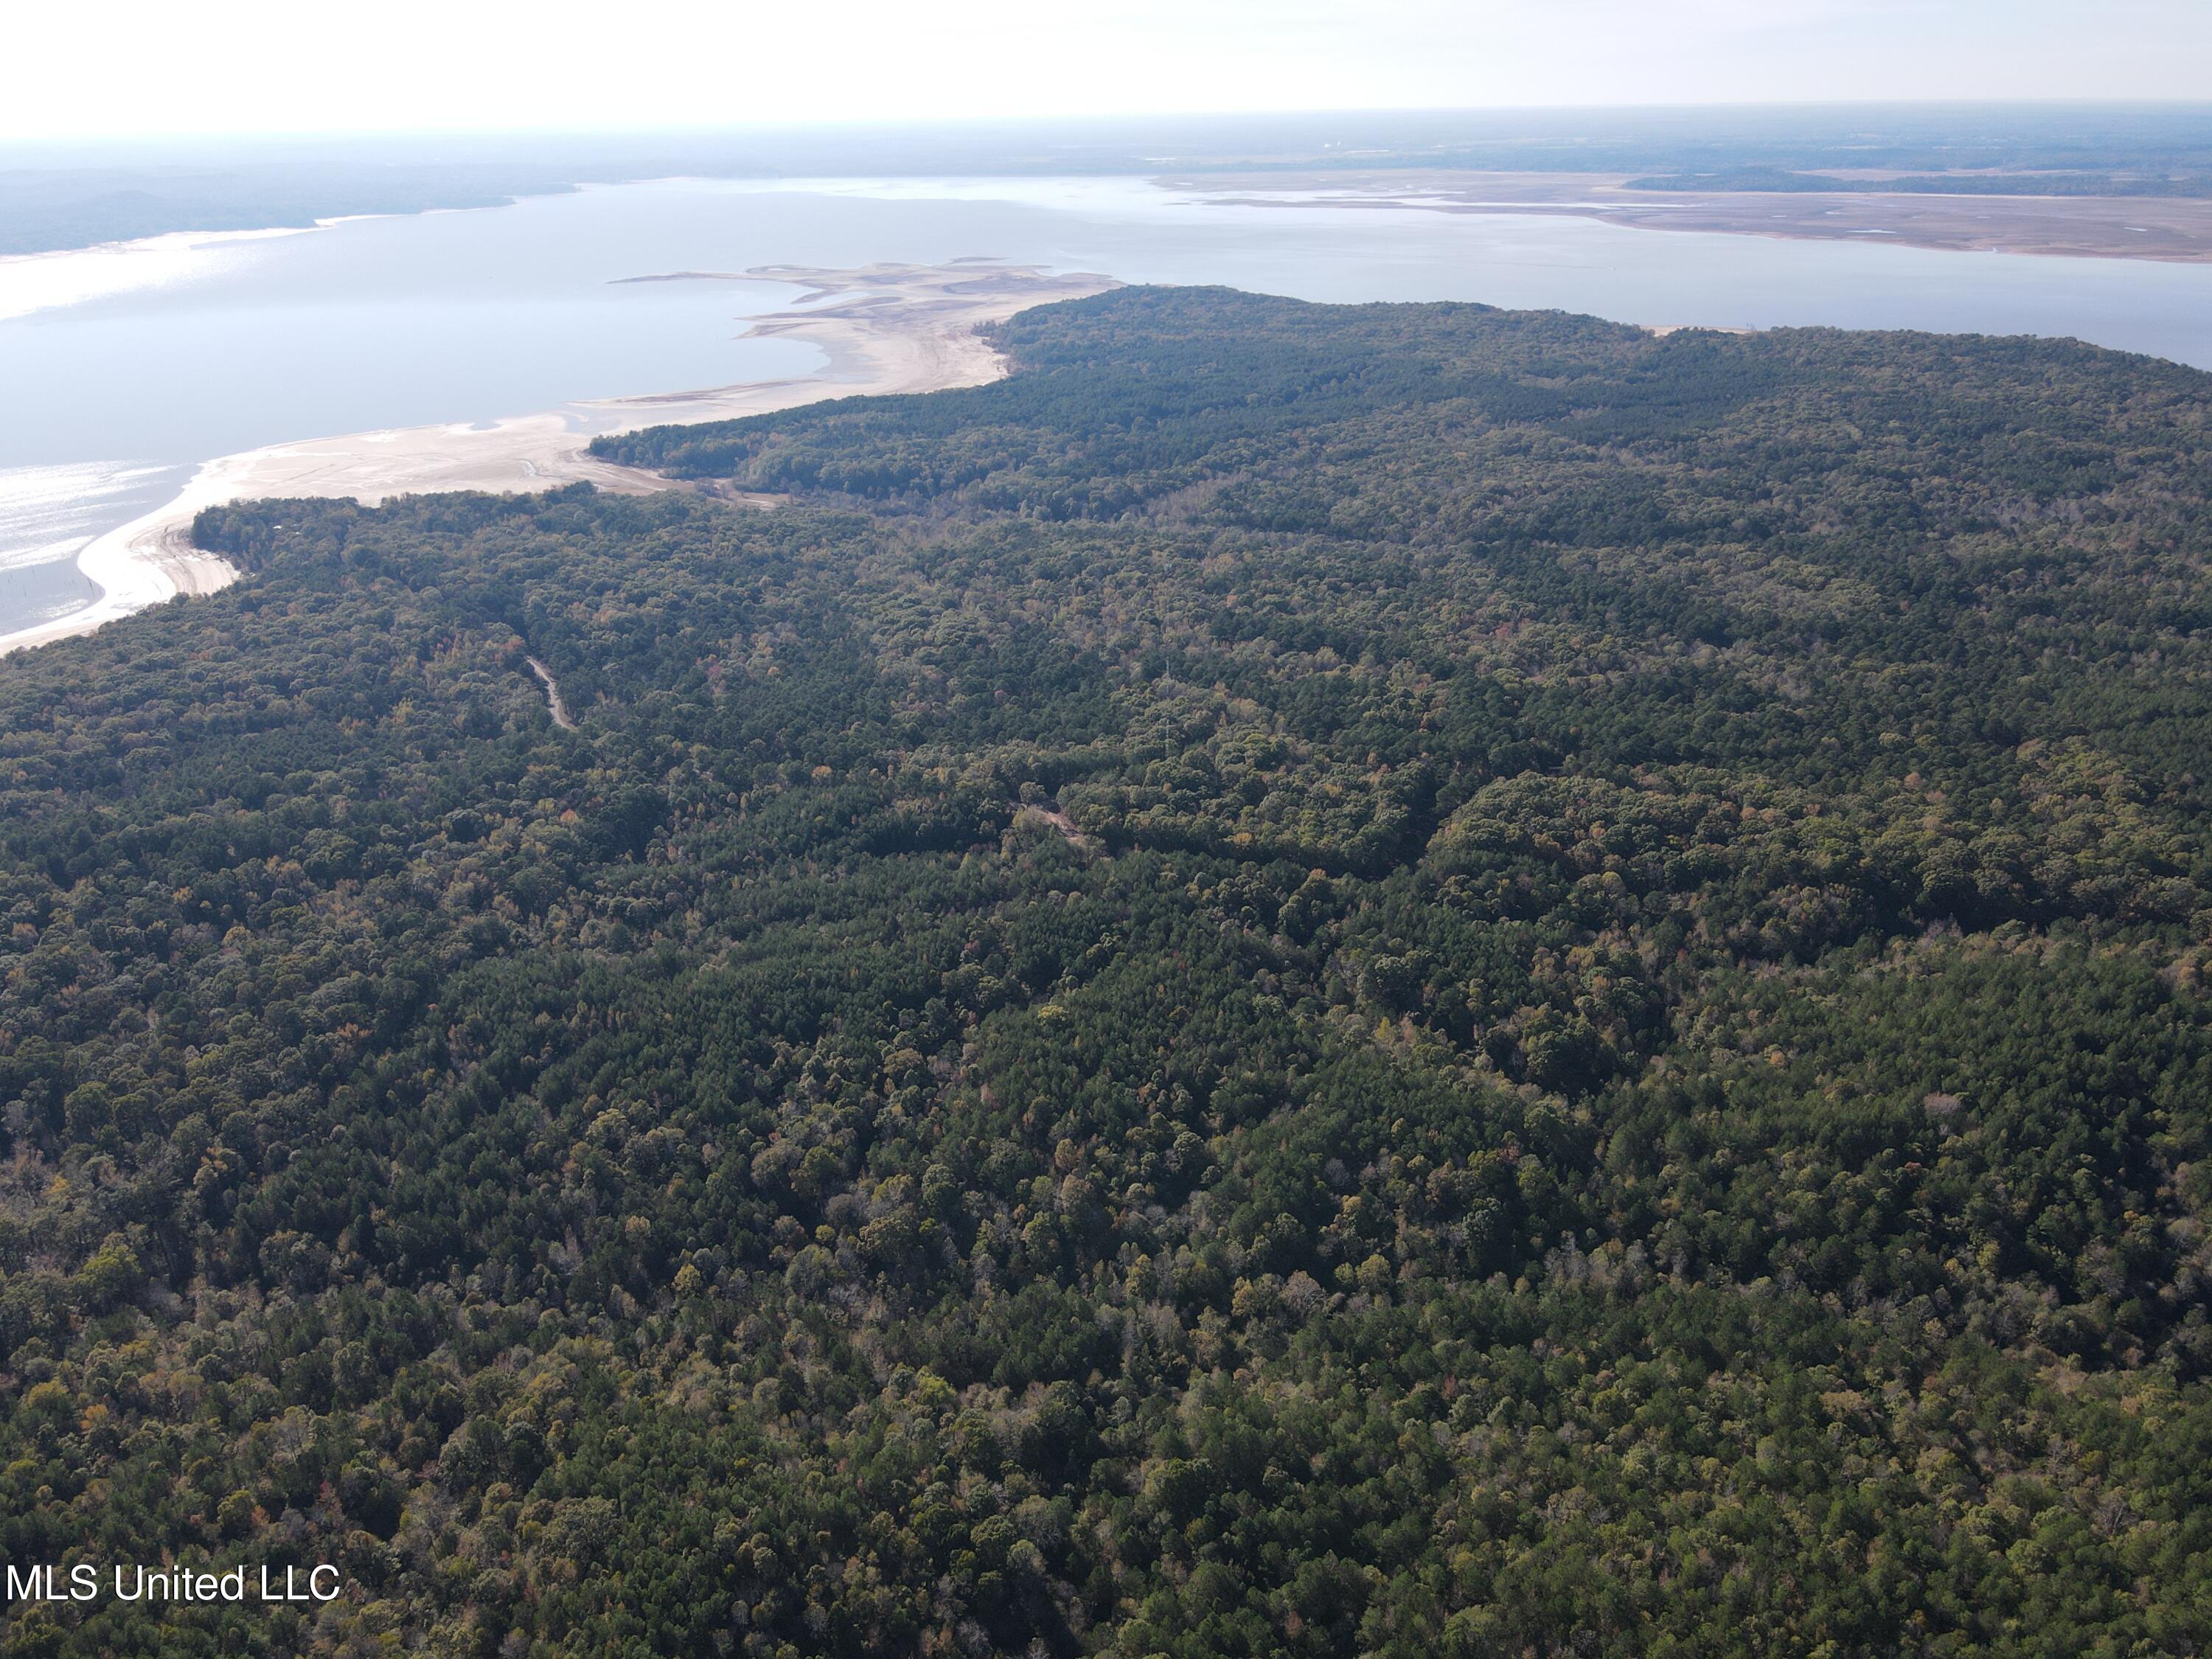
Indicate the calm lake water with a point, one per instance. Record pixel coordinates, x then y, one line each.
128 373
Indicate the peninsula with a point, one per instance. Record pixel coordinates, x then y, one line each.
884 328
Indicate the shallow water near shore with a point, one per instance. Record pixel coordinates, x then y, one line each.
48 514
117 388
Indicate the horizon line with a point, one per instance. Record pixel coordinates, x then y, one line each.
1032 123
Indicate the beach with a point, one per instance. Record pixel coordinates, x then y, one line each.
884 328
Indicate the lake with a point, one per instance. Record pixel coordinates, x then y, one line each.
125 369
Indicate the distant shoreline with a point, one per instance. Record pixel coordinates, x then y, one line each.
885 329
2159 229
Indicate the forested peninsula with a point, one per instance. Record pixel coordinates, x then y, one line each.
1400 979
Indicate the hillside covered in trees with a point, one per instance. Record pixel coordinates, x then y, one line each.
1309 981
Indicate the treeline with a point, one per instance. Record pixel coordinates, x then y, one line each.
2189 182
1309 980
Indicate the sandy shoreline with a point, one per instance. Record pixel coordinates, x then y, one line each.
886 329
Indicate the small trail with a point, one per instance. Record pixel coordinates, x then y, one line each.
1059 821
553 703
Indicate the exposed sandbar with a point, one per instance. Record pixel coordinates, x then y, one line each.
886 328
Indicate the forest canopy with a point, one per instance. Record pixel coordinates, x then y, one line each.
1309 980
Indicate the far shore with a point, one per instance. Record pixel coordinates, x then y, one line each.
2165 228
886 328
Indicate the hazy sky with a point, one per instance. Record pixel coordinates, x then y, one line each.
76 69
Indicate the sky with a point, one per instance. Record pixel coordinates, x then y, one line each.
123 69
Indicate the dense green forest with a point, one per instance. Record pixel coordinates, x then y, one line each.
1309 981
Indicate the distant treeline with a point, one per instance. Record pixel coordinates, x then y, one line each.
1972 184
48 208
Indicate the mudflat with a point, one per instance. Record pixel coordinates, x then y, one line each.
2090 226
